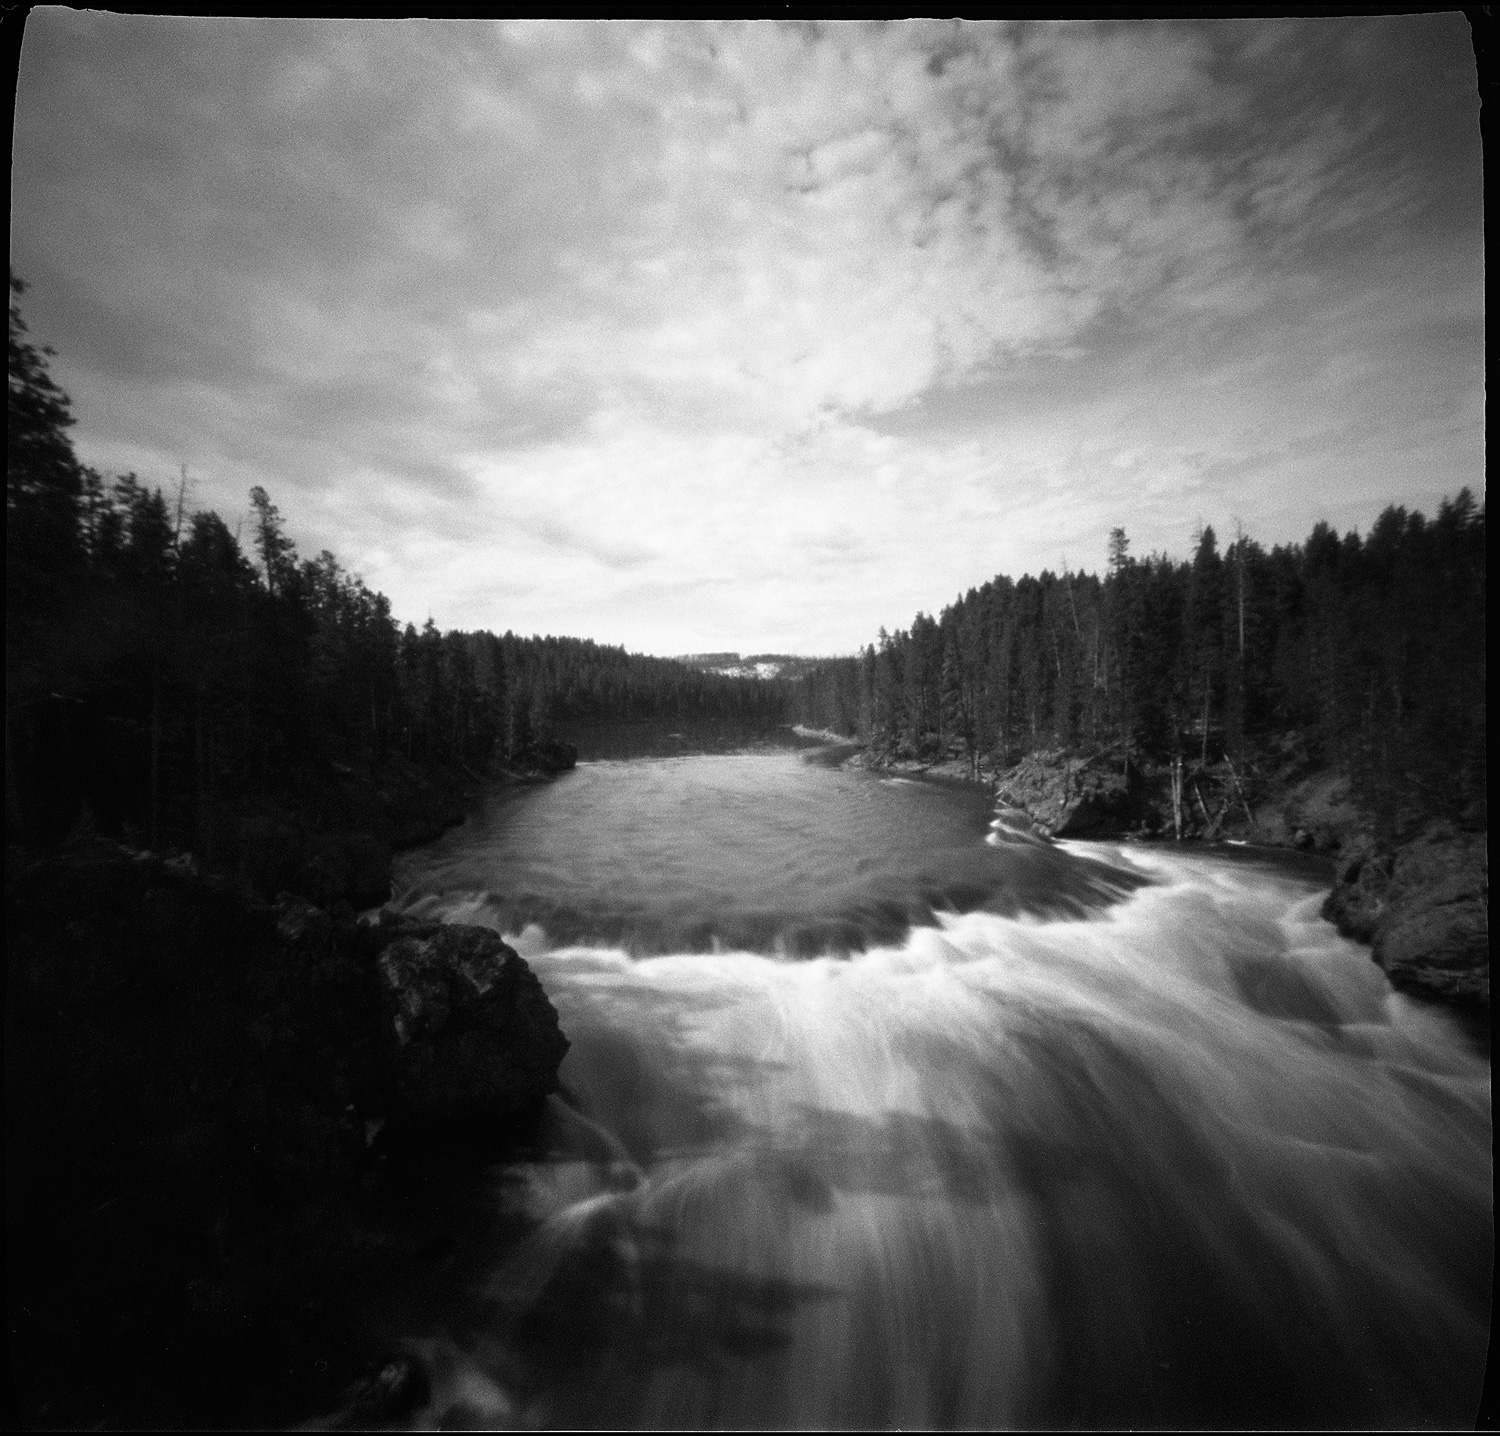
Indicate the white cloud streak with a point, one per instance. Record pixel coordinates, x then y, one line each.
753 335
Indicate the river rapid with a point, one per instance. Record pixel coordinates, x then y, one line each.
876 1114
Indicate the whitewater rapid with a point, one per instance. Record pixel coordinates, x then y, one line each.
1186 1159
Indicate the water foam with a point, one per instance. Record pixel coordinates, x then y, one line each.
1188 1160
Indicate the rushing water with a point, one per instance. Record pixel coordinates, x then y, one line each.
875 1116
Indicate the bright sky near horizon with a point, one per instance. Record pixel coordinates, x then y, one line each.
695 336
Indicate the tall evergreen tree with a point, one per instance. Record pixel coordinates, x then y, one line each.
44 482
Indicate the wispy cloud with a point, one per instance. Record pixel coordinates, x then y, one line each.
755 335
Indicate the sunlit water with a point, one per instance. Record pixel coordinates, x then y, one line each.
1072 1135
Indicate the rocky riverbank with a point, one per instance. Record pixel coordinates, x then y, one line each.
1422 903
1417 892
231 1127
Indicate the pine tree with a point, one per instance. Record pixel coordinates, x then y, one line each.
277 556
44 482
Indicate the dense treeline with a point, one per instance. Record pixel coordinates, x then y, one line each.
165 676
573 679
168 679
1369 650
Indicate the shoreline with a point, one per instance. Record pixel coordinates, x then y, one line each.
1418 897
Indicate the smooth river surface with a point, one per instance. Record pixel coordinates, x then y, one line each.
875 1116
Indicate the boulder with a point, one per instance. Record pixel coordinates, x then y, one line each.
1433 936
469 1034
1360 891
1423 905
1069 797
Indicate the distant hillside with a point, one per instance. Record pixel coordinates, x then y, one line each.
755 665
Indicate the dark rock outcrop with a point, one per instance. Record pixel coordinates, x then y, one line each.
1360 891
1069 796
1423 905
1277 798
197 1088
469 1034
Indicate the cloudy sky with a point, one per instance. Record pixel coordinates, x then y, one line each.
757 336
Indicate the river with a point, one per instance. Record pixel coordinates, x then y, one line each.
877 1115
